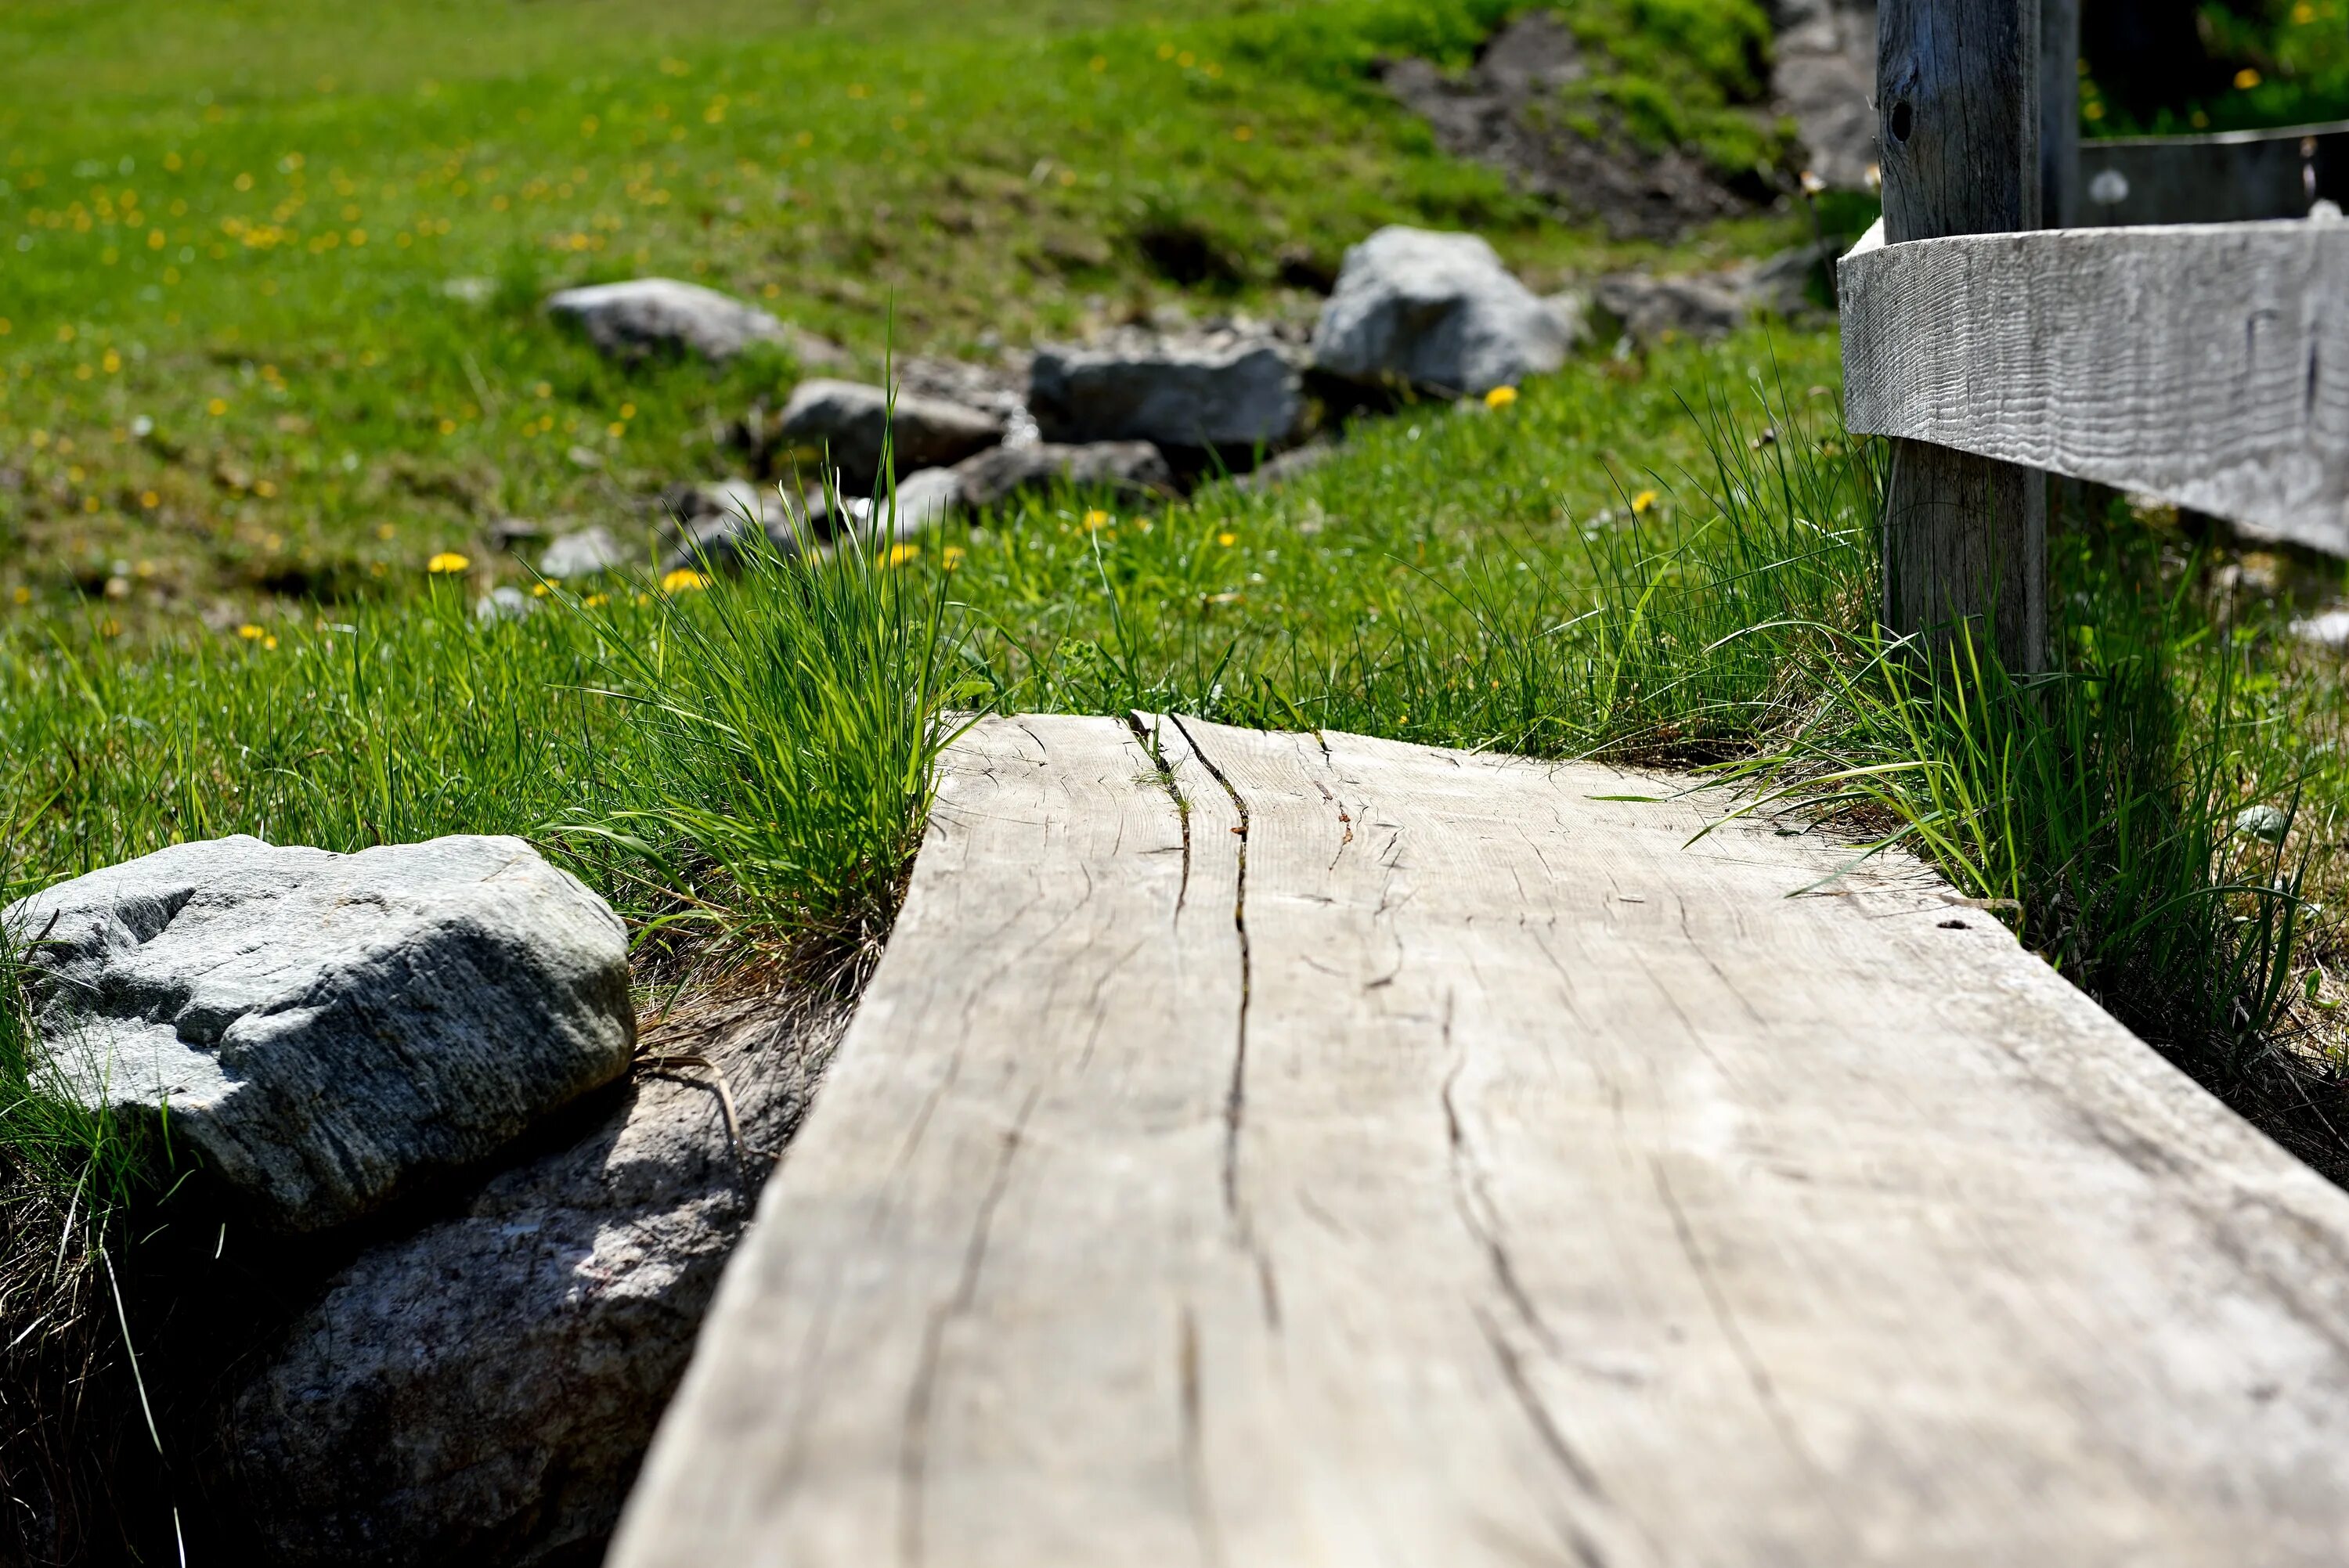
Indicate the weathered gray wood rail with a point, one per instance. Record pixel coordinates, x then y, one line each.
2206 364
2226 177
1394 1156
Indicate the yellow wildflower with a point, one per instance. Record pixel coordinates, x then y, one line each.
1097 520
2246 79
1228 539
538 590
1500 396
901 553
684 580
448 563
270 644
597 601
216 408
251 632
1642 502
23 595
950 558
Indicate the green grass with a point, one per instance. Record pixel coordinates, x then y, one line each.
231 226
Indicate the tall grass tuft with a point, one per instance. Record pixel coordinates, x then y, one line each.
789 729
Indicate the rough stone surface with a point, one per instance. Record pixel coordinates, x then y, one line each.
2269 822
850 421
1230 388
997 390
1711 304
585 553
328 1031
922 501
645 315
1133 469
400 1421
2329 629
1438 312
1824 76
1503 112
712 523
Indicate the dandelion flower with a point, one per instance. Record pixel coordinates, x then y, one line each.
1644 502
684 580
951 558
597 601
2246 79
448 563
270 644
901 553
1228 539
538 590
251 632
1097 520
1500 396
23 595
216 408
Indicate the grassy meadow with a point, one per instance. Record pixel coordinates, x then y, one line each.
271 342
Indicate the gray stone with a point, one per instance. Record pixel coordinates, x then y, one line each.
508 604
328 1031
483 1390
850 421
644 315
1134 470
1824 78
1231 388
922 501
1287 467
2266 822
586 553
1713 305
998 389
1651 309
1438 312
2327 629
714 525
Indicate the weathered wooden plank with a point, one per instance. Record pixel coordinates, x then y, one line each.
1959 87
1399 1157
2205 365
2229 177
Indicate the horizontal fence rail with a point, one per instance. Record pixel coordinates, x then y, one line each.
2230 177
2206 366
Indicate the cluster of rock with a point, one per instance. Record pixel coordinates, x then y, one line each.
1134 412
426 1049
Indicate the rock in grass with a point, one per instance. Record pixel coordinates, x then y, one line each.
920 501
2267 822
508 604
1232 388
648 316
1436 313
851 421
586 553
328 1031
483 1390
1135 469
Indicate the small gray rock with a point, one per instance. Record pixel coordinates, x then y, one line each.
1699 307
851 421
1824 76
1438 312
2328 629
647 315
328 1031
1135 469
508 604
922 501
2265 822
586 553
1233 388
483 1390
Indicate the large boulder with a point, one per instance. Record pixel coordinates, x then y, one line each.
851 422
329 1031
481 1390
1134 470
645 315
1226 388
1436 313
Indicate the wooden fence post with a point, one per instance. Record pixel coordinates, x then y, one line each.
1958 97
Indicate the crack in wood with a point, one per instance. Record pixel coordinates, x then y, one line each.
914 1447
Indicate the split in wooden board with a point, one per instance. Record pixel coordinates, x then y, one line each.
1392 1156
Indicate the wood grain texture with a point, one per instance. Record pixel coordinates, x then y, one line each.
2230 176
1394 1156
2205 365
